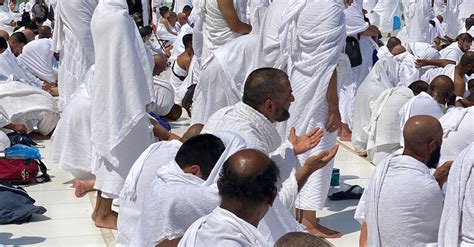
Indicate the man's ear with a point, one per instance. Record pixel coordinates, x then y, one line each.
268 105
195 169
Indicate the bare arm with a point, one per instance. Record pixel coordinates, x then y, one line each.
164 21
169 243
334 119
433 62
363 235
230 16
313 164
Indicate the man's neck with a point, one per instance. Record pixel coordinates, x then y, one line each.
412 154
241 210
458 71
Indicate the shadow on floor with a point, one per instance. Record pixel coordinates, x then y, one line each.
6 239
342 221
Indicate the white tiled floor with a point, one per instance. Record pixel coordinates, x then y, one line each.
67 221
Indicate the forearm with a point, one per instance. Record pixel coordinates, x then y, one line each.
438 62
459 88
331 95
302 176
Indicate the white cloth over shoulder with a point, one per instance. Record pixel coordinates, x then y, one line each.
452 52
404 204
457 221
223 76
384 75
448 70
39 59
9 65
457 132
138 182
223 228
408 72
164 96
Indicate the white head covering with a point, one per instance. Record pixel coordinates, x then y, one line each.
39 59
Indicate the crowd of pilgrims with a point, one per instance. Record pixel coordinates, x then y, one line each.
270 88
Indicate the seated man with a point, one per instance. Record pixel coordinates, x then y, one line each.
403 203
432 103
178 45
457 220
9 64
29 105
166 31
383 131
458 73
455 51
247 187
39 59
384 75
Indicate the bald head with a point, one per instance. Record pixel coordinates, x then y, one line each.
441 88
182 18
44 32
30 35
398 49
249 175
392 42
4 35
160 64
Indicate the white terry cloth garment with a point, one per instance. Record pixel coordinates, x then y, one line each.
312 35
222 77
138 182
386 11
177 78
408 72
164 96
417 15
5 16
178 46
179 5
4 140
355 24
457 132
215 31
403 204
39 59
163 33
383 130
384 75
452 52
123 87
71 140
422 104
72 38
422 50
223 228
347 88
175 199
457 221
40 110
9 65
448 70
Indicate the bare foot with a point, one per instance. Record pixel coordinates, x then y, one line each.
324 232
81 187
345 133
107 221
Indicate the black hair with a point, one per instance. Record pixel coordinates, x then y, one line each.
188 40
253 188
3 43
187 8
145 31
418 86
263 84
19 37
464 37
203 150
470 84
392 42
164 10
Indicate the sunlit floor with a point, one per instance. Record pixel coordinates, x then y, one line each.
67 221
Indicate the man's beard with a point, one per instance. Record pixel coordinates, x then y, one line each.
281 114
433 160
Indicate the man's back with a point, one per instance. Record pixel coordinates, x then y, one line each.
410 204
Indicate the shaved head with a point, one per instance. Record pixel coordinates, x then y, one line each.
398 49
392 42
249 175
30 35
4 35
441 88
423 136
44 32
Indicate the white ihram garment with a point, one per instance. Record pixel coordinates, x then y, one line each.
408 72
9 65
164 96
457 221
457 132
39 59
417 15
123 86
312 35
386 11
4 140
403 204
452 52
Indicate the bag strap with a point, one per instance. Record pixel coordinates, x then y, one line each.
44 173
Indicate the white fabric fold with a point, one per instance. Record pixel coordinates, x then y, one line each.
39 59
9 65
457 221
